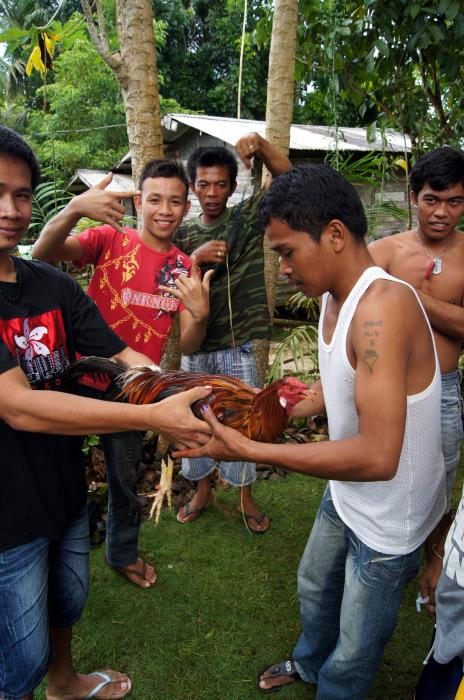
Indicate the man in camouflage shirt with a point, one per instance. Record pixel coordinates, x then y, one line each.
230 241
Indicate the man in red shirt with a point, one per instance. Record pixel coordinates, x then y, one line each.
140 281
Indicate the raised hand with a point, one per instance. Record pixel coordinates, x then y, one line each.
248 147
193 291
100 204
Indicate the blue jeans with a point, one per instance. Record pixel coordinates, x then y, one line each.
236 362
123 453
349 599
451 427
43 584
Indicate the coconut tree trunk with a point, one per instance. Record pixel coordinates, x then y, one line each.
134 65
279 112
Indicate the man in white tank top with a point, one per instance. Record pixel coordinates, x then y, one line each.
380 386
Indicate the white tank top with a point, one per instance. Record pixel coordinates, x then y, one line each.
396 516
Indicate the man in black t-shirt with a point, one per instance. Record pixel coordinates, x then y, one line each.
45 318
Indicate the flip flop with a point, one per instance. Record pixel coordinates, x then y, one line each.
106 680
284 669
258 519
127 571
194 512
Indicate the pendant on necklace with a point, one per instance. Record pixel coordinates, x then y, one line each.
433 269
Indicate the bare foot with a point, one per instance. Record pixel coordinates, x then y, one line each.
81 685
277 675
141 573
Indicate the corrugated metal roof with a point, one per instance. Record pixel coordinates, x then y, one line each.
119 183
302 137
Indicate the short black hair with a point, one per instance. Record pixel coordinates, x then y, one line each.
309 196
12 144
208 156
164 168
441 168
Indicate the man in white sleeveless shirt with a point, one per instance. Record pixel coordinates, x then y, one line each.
380 386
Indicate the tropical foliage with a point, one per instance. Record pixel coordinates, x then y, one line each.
47 201
298 347
397 62
199 60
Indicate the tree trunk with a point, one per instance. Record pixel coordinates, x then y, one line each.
139 81
279 112
134 65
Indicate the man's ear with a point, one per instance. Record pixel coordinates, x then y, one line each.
233 188
413 198
192 186
188 204
138 203
335 235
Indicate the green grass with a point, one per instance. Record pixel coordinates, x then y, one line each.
225 606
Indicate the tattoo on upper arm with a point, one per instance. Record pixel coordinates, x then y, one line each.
370 358
371 334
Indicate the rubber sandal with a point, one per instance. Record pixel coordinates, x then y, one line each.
106 681
127 571
258 519
194 512
284 669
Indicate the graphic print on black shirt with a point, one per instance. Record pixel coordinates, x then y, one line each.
39 345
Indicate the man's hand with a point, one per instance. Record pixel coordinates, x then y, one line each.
313 403
226 444
253 145
211 253
193 292
305 408
173 418
102 205
428 583
248 147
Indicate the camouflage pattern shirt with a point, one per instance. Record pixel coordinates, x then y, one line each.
240 226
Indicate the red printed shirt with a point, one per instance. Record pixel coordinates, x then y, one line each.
125 286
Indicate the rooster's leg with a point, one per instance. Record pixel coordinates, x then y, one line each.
165 484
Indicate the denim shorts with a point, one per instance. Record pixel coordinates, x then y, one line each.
236 362
451 426
43 584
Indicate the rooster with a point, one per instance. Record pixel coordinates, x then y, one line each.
260 415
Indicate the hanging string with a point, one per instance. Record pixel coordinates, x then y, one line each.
242 50
75 131
335 17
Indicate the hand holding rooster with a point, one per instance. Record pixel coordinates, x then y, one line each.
225 444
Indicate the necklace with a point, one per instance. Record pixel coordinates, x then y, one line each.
436 263
19 288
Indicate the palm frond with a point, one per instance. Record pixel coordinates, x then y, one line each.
299 347
46 202
308 305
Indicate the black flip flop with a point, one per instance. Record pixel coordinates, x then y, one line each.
195 512
286 669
